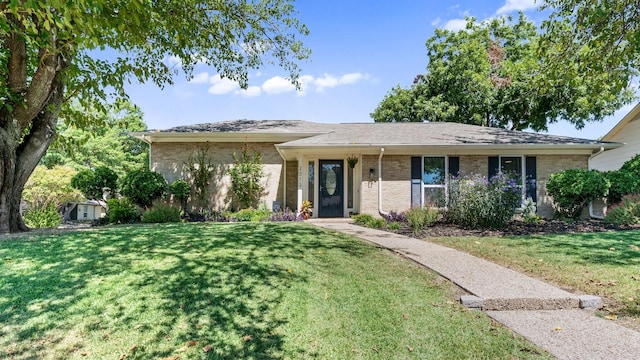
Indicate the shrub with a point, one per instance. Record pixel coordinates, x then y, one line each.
418 218
161 213
286 215
142 187
393 216
201 170
122 211
376 223
529 212
573 189
621 183
93 183
627 212
362 219
476 202
246 175
44 217
393 226
181 190
252 215
207 215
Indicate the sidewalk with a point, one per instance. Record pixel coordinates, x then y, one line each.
554 319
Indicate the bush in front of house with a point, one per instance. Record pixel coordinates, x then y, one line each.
477 202
246 178
181 190
621 183
286 215
122 211
394 216
42 217
162 213
253 215
143 187
369 221
626 212
573 189
419 218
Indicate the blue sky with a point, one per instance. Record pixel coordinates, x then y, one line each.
360 50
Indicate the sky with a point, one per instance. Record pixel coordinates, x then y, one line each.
360 51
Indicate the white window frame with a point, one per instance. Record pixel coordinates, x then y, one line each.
523 172
444 186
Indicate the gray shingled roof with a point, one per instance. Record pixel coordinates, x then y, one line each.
254 126
435 133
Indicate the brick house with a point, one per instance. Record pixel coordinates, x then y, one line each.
367 167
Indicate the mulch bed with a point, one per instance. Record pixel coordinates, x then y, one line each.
515 228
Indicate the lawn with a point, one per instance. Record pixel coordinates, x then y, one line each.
251 291
605 264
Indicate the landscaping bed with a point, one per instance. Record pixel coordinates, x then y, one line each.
514 228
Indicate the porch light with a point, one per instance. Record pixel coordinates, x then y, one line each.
372 174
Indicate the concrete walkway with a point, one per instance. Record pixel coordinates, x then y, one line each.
556 320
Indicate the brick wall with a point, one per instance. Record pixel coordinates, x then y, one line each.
396 176
168 159
396 184
549 164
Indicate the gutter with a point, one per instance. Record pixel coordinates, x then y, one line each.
591 214
382 212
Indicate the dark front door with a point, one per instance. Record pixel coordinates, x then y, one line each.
330 192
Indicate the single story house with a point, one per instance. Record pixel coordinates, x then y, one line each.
627 131
367 167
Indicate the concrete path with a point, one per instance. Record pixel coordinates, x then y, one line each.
554 319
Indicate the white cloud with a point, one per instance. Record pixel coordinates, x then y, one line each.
436 21
201 78
251 91
516 5
221 86
330 81
277 85
455 25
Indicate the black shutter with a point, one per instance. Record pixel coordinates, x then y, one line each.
416 181
494 166
531 178
454 165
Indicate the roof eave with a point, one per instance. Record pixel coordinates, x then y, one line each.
158 137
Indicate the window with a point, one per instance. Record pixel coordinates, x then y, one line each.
429 178
522 168
433 179
311 188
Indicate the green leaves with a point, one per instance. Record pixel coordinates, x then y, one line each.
495 73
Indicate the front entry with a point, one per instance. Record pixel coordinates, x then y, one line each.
331 189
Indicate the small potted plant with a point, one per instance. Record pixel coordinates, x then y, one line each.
305 210
352 161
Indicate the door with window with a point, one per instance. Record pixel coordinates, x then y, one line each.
331 189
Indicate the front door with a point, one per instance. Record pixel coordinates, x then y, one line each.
330 189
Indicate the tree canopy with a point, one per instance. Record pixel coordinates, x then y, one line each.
491 74
88 50
107 143
587 39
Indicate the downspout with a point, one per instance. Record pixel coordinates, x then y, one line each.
383 213
591 214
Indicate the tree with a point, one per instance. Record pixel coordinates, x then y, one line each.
246 176
105 145
593 39
490 74
53 51
142 187
94 183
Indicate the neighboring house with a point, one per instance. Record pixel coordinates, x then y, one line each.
399 165
627 131
88 210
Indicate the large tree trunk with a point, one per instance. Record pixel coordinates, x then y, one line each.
19 157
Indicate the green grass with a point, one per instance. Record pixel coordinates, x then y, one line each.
605 264
251 291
